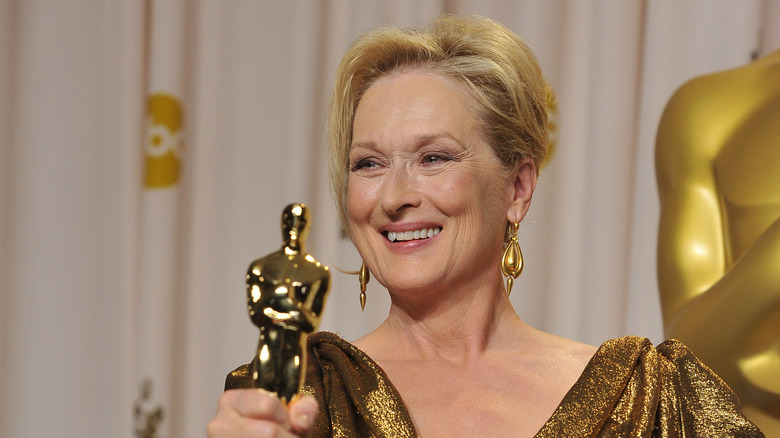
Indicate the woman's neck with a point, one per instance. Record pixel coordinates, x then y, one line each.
455 327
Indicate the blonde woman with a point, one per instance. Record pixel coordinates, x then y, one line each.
436 141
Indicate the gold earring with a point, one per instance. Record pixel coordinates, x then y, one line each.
364 277
512 260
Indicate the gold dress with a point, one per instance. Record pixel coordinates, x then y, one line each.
628 389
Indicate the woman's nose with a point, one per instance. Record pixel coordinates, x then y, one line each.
400 191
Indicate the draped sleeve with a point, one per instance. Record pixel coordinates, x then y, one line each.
355 396
632 389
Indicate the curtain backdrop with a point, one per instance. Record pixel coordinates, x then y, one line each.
108 279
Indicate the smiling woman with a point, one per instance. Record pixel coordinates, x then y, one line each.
436 140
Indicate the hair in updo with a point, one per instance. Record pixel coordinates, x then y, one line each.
496 66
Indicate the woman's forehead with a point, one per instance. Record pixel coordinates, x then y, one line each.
414 104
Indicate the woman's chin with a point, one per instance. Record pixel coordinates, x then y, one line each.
417 287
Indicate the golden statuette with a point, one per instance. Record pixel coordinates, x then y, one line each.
718 167
286 293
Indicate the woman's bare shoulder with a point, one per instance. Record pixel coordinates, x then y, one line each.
376 344
560 353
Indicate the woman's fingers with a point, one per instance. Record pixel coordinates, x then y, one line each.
246 428
302 413
258 403
252 413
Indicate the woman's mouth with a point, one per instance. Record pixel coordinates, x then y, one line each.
401 236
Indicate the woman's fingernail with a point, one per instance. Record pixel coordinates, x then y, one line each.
305 421
266 392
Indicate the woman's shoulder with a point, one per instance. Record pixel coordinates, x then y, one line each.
570 355
633 387
355 395
328 344
670 363
634 351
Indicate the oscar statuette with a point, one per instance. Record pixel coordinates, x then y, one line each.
286 293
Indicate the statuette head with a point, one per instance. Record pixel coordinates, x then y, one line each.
295 225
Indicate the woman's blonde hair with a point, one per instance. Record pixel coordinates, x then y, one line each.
493 63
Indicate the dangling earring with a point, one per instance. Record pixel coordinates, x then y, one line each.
364 277
512 260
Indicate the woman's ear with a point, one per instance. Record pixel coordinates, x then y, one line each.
524 180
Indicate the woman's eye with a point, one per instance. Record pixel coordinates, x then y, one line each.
365 163
434 159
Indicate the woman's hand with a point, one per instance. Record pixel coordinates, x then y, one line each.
255 413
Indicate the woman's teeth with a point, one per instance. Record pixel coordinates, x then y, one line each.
412 235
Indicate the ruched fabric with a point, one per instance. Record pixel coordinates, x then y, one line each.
628 389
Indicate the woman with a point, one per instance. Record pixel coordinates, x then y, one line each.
436 141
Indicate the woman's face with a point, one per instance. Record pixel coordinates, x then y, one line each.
427 197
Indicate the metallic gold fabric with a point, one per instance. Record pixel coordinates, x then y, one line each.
631 389
628 389
356 398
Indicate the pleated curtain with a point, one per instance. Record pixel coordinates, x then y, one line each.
148 148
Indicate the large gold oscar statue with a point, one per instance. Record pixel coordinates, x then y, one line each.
286 293
718 168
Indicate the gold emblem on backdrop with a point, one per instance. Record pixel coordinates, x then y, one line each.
163 142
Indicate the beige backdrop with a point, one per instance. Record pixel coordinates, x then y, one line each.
107 281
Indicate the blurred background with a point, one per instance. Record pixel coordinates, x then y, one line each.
148 148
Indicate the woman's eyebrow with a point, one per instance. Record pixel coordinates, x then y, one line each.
418 140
